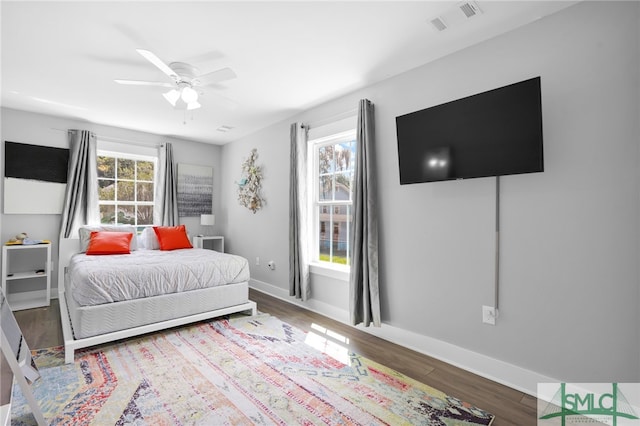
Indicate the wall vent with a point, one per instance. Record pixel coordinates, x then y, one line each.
470 9
439 24
456 15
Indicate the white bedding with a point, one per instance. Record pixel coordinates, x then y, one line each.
144 273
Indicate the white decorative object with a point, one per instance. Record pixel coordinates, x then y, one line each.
207 219
249 185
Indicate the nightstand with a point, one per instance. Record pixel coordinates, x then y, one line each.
26 275
209 242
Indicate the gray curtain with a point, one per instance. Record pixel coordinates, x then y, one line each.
298 215
364 300
166 197
81 196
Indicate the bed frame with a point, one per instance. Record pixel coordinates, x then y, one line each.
70 246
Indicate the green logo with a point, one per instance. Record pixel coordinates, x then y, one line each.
589 403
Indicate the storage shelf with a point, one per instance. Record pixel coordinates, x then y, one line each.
217 241
27 300
23 275
28 260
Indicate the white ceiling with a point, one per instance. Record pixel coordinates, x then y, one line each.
61 58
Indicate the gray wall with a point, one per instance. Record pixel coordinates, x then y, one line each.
570 296
38 129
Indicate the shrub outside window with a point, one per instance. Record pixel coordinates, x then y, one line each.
126 188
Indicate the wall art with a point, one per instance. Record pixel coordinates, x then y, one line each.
250 184
35 178
195 190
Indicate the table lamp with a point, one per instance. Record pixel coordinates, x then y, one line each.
207 219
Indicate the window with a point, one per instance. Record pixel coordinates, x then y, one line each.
332 177
126 188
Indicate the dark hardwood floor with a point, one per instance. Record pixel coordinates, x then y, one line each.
41 328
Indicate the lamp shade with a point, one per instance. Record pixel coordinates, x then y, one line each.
189 95
172 96
207 219
193 105
185 98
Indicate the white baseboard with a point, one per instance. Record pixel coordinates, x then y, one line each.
499 371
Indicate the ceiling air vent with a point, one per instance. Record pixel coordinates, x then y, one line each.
470 9
438 24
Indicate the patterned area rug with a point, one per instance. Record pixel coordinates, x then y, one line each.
238 371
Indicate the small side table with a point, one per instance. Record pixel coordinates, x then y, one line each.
217 242
26 263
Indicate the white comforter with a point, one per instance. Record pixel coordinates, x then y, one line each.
144 273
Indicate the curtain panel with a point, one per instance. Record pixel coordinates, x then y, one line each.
364 299
298 215
166 196
81 196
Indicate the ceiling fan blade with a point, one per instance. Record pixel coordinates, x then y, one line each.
221 101
151 57
216 76
143 83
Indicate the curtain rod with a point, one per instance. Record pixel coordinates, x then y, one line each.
129 142
118 140
332 118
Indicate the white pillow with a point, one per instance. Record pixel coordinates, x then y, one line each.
85 234
149 240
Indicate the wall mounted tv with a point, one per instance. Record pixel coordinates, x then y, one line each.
494 133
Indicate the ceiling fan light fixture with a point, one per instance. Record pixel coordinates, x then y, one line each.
184 78
172 96
189 95
193 105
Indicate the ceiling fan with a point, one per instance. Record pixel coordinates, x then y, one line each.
185 79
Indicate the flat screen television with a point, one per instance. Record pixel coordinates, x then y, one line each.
494 133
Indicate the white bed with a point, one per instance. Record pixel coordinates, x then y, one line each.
123 312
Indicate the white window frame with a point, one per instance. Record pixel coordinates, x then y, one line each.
329 269
136 157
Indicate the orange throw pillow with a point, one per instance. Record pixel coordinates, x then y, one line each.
107 242
172 237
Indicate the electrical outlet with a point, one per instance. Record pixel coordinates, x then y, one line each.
257 261
489 315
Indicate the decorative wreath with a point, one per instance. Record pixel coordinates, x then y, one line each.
249 185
